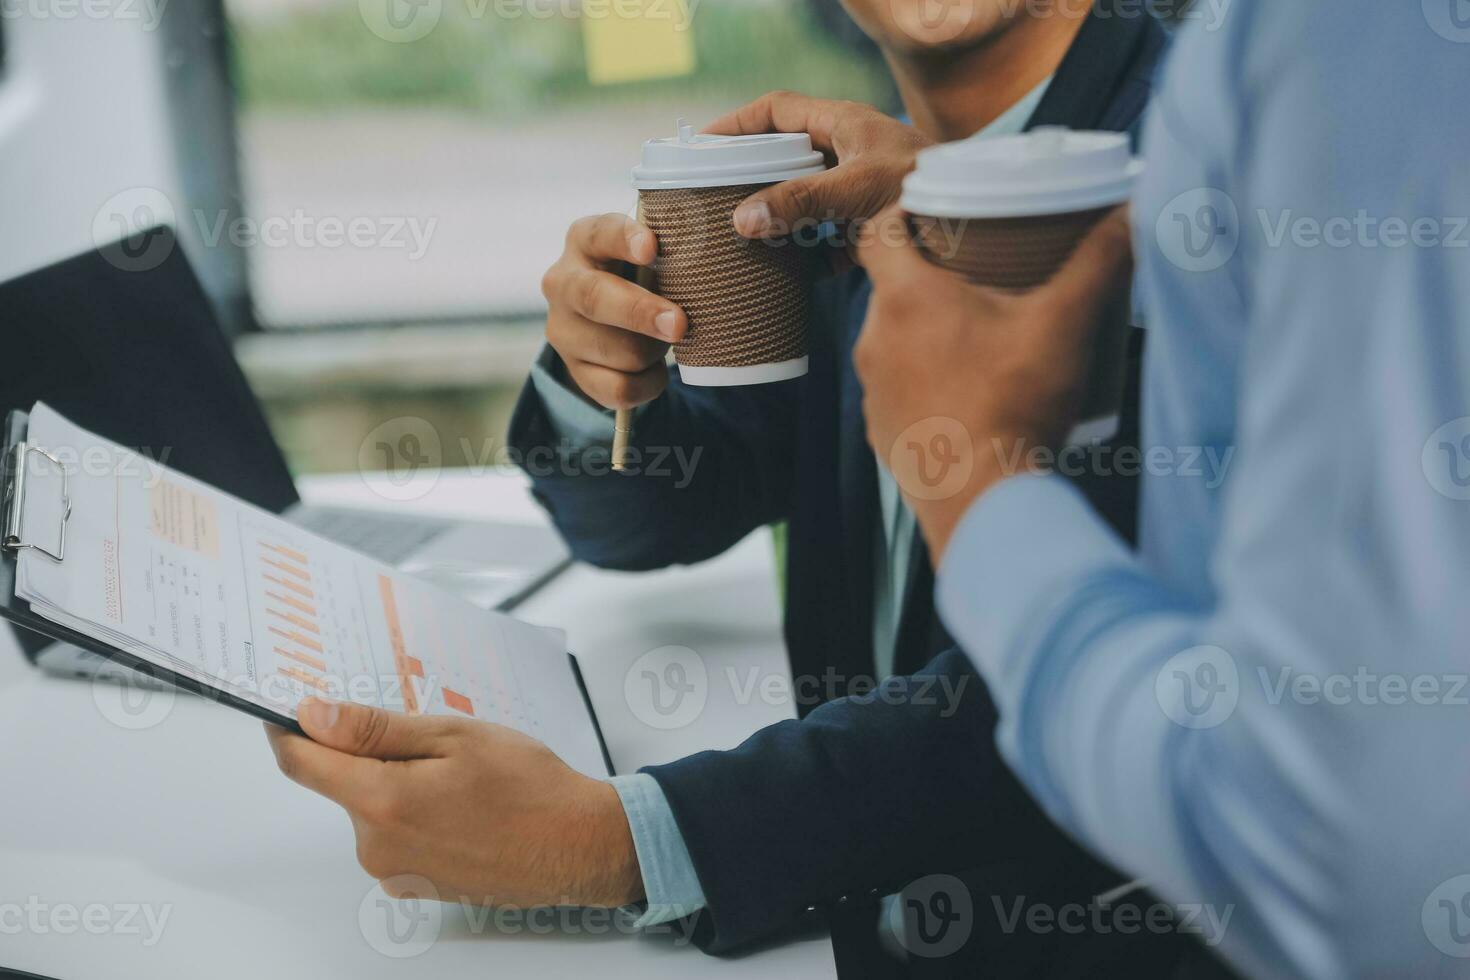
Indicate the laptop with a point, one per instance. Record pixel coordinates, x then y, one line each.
91 335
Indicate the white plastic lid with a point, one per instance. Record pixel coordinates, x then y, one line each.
1050 170
693 159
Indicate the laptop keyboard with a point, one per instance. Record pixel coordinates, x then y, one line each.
386 537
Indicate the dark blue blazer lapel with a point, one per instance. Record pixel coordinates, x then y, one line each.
857 477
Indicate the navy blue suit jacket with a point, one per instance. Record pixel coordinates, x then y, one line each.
863 794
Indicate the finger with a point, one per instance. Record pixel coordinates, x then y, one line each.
612 238
1100 267
342 778
603 297
782 112
885 249
578 338
831 195
619 389
372 732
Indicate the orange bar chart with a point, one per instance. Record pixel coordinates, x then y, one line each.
287 553
290 603
400 647
294 586
296 604
311 680
302 658
298 638
295 620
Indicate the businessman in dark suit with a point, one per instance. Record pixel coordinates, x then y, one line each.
853 779
873 789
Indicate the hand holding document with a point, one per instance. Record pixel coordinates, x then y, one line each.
237 600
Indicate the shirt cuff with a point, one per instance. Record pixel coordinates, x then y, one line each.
572 418
1011 560
669 880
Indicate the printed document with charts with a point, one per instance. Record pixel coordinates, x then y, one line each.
192 580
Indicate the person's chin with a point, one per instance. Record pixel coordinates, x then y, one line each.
939 38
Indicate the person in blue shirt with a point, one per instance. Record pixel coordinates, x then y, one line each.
1265 705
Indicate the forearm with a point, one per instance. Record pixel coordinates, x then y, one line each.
1146 726
1059 617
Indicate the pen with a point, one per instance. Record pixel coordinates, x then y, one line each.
622 428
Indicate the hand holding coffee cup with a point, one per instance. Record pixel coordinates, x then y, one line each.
870 153
611 333
1008 213
747 301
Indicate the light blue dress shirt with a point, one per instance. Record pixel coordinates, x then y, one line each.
1264 709
669 878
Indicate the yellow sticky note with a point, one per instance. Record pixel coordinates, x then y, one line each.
630 40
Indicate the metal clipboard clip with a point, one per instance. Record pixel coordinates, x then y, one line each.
16 495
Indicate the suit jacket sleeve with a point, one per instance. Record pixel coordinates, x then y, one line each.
863 795
710 466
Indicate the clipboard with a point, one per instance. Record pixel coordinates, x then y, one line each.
18 453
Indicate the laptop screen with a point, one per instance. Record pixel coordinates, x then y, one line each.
124 343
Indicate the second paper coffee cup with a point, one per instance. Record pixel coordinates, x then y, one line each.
747 300
1009 212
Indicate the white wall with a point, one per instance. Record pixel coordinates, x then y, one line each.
82 119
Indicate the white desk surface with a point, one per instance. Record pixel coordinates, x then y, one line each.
102 825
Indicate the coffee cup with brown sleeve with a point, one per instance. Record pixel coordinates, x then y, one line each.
747 300
1008 212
